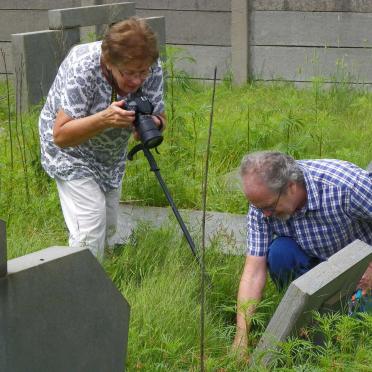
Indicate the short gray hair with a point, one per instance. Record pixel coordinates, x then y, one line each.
275 168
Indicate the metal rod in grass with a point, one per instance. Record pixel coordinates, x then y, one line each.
23 135
204 203
20 133
8 104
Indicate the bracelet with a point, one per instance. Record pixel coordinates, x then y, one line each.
161 126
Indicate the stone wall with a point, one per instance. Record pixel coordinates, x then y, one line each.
297 40
201 27
274 39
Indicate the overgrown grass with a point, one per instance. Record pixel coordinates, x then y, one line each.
312 123
161 281
155 270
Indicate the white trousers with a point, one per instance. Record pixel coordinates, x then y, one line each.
90 214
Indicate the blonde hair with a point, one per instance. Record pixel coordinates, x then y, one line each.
129 41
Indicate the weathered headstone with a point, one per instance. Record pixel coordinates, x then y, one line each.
89 15
37 55
60 312
3 252
326 287
228 228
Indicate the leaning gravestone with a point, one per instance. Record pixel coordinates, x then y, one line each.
326 287
60 312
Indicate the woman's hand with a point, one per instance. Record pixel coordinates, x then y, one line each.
159 121
72 132
116 117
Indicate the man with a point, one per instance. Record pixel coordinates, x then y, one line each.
301 213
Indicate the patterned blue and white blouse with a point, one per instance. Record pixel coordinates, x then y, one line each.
338 211
80 89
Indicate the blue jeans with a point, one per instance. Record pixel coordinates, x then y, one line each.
286 261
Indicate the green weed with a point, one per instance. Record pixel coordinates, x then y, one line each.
155 270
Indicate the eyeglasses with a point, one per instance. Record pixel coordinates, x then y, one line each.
135 74
272 209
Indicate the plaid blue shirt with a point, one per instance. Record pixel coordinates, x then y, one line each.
338 211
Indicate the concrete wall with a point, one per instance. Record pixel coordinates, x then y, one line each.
271 39
264 39
201 27
296 40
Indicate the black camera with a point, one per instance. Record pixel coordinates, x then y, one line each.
148 132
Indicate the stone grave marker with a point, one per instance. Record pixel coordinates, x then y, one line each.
228 228
326 287
60 312
3 260
37 55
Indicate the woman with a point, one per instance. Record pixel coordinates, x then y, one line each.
84 129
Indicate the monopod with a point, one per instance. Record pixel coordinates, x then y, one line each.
154 168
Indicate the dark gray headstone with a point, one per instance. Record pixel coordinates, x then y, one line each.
37 56
157 24
3 252
90 15
326 287
60 312
228 228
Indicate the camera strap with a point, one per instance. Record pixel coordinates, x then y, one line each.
114 95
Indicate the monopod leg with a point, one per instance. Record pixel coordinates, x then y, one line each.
156 170
154 167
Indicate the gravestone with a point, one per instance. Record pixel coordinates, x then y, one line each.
3 253
325 288
37 55
228 228
60 312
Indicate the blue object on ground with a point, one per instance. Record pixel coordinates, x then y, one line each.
360 302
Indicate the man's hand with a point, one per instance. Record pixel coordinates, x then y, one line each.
240 345
251 287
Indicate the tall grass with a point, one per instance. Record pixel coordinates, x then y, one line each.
28 199
161 282
155 270
308 123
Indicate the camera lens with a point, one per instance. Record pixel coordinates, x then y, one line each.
153 142
148 131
